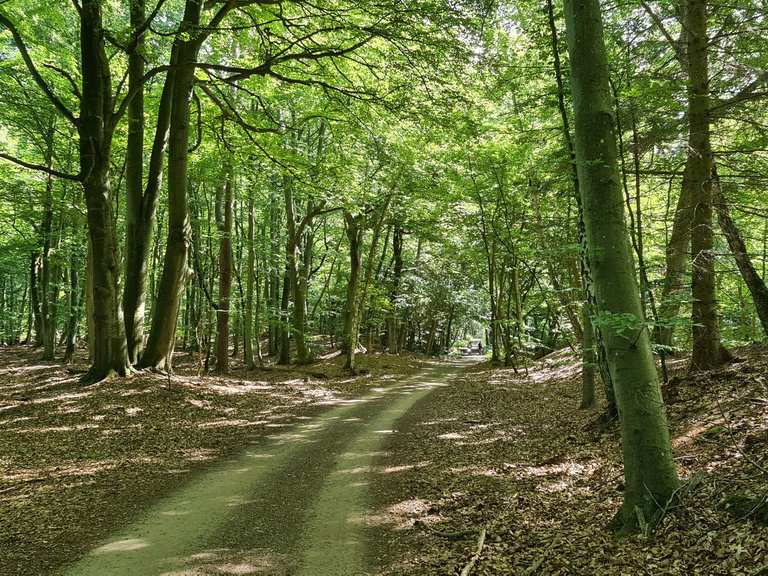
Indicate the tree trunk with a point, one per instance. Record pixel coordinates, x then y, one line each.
96 130
676 256
48 324
355 237
397 273
34 295
284 331
649 471
297 271
588 361
141 202
752 279
249 281
159 350
74 310
224 222
707 350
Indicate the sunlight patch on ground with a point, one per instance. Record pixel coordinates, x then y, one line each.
402 515
127 545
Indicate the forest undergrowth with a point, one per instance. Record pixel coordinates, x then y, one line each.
78 462
511 455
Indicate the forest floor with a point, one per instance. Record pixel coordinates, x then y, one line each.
311 472
79 463
512 455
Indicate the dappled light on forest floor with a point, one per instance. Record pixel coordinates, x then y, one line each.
515 456
150 433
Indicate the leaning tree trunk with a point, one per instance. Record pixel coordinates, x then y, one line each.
752 279
161 340
707 350
649 471
141 207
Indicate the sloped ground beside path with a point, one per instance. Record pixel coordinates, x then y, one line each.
513 454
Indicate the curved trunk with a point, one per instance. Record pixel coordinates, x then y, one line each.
162 334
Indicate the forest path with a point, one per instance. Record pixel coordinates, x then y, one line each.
292 504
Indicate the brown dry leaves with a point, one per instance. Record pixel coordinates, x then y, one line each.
512 453
76 461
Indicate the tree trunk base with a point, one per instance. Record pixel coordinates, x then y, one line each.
95 374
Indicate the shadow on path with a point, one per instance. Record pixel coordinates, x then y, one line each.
293 503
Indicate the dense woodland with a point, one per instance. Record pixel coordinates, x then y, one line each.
261 182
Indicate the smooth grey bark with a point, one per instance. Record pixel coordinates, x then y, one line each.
141 198
159 349
96 128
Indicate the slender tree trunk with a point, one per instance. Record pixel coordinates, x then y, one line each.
707 350
249 280
752 279
159 349
135 248
224 222
649 471
284 331
74 310
355 237
297 271
48 325
676 256
397 272
34 295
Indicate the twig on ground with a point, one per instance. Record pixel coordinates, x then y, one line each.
476 556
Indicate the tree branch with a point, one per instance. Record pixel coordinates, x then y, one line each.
22 48
41 168
679 54
749 92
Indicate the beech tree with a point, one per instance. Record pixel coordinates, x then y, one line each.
649 471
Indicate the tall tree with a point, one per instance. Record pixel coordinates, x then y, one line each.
708 352
649 470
